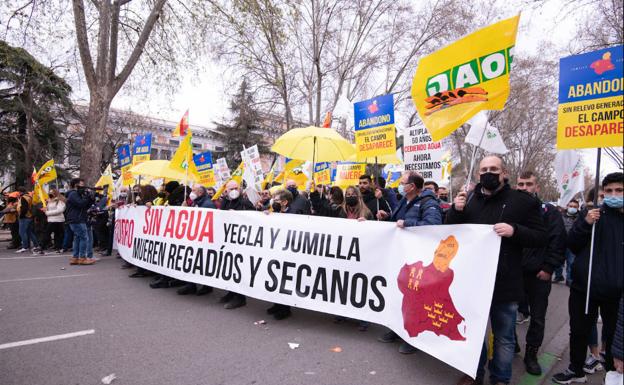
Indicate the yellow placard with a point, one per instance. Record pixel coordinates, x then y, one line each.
207 178
348 174
126 175
465 77
323 177
375 142
138 159
591 123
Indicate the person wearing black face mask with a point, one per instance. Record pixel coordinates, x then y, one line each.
300 205
518 221
281 204
332 207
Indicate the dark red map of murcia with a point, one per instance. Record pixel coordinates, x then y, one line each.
427 304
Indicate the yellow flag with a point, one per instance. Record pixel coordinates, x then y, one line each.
183 158
46 173
40 195
237 175
465 77
269 178
106 179
289 167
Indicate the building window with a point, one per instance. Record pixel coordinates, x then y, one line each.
154 153
174 142
165 154
197 146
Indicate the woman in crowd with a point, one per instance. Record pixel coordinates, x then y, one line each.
56 220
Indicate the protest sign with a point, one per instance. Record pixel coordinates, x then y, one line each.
142 148
465 77
322 173
124 159
223 171
591 107
375 132
251 156
422 154
203 163
434 296
348 173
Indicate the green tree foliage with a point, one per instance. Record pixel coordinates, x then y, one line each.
34 102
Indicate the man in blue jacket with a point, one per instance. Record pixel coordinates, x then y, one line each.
78 202
607 276
417 208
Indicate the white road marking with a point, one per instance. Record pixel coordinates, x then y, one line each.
38 278
46 339
38 256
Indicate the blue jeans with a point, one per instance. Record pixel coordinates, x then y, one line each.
503 320
568 268
81 240
27 233
68 237
89 241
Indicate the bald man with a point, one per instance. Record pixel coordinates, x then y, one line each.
516 218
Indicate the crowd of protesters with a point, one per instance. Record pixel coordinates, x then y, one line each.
541 244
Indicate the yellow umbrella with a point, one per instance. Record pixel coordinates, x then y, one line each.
381 159
315 144
160 169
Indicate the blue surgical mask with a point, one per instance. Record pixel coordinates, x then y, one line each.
572 210
613 201
402 189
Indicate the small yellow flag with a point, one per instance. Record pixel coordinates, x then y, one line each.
472 74
182 160
46 173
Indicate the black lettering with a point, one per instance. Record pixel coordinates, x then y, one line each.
354 290
340 284
302 293
375 282
320 284
272 264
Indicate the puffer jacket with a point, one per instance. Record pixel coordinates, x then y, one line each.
424 210
55 211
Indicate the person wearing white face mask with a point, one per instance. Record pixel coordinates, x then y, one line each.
234 201
569 217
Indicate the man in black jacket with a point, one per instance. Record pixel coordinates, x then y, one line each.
78 202
233 200
300 205
607 276
517 219
373 198
539 265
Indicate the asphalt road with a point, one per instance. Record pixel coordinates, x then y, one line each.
147 336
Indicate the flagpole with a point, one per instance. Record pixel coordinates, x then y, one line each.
591 247
472 159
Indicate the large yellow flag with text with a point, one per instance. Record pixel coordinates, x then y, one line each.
465 77
183 158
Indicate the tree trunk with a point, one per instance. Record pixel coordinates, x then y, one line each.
91 150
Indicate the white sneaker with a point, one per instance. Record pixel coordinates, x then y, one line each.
592 365
21 250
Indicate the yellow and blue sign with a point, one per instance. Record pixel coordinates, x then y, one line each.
142 148
591 107
124 157
203 162
348 173
322 173
375 133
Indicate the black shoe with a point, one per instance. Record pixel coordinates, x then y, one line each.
189 288
176 283
204 290
273 309
227 298
236 302
160 283
406 348
530 361
568 377
363 326
388 337
127 265
283 313
339 319
138 274
558 279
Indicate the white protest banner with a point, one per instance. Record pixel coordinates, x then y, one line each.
432 285
569 174
253 169
422 154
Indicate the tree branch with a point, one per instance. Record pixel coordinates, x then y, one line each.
83 44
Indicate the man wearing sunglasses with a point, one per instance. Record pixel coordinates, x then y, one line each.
516 218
